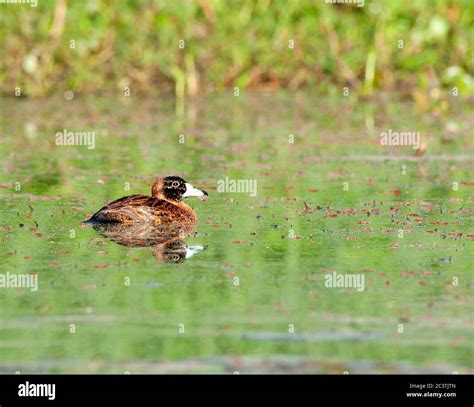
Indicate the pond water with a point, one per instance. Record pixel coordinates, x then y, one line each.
248 291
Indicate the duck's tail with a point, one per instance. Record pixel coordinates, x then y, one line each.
94 219
89 221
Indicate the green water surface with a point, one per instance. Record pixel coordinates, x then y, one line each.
251 295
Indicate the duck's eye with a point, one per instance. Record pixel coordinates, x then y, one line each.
175 184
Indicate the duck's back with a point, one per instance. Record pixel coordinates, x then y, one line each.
142 208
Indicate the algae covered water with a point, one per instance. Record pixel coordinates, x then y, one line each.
319 250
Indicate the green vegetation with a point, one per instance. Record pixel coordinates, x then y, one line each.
244 43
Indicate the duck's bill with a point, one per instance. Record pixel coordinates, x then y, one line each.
191 191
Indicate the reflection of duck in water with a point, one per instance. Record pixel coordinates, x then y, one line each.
167 242
161 220
176 252
163 207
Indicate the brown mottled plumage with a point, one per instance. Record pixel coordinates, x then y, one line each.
164 207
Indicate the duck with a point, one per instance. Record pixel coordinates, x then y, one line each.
164 208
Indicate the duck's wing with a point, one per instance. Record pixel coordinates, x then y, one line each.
112 212
140 208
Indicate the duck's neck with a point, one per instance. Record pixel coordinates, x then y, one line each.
188 209
183 206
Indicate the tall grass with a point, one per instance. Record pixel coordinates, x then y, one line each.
192 46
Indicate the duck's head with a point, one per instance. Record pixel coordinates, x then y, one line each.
175 189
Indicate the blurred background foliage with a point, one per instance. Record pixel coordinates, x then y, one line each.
97 46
